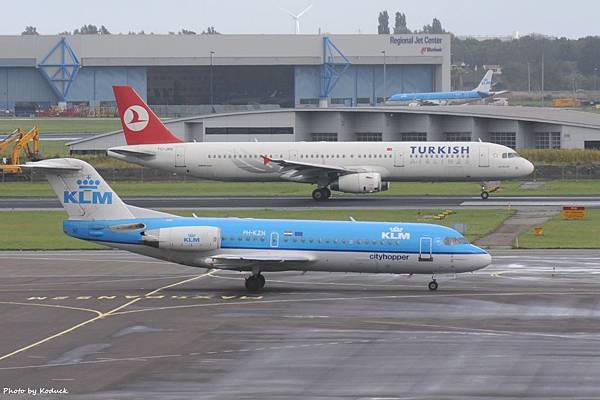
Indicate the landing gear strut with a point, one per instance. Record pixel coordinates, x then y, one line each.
433 285
255 282
320 194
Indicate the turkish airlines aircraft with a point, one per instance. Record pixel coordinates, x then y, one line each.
349 167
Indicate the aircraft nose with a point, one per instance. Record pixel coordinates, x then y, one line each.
482 258
529 167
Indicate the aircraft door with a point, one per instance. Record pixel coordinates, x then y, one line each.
293 155
484 156
398 158
180 156
274 239
425 249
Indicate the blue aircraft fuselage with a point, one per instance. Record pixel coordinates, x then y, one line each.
439 96
354 246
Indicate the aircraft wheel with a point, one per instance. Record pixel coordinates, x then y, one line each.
252 283
319 194
261 281
485 195
433 285
327 192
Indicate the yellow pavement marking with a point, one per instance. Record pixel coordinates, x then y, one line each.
52 306
99 316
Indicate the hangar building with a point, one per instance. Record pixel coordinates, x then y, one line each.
286 70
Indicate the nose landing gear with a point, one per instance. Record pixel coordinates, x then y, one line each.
433 285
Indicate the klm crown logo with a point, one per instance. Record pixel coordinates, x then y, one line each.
88 193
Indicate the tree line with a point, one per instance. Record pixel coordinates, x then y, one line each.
569 64
91 29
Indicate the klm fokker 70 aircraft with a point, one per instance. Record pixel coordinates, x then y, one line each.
97 214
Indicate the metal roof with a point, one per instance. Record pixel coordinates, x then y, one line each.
529 114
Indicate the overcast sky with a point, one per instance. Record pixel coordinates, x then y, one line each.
575 18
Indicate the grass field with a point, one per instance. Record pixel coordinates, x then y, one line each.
37 230
61 125
210 188
562 234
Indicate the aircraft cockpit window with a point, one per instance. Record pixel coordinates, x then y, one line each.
453 241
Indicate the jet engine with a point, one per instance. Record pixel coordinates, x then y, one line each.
185 238
362 182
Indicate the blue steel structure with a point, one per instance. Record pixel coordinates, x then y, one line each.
330 75
60 75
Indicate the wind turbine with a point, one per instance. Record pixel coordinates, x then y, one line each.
296 17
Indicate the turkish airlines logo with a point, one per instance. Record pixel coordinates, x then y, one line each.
135 118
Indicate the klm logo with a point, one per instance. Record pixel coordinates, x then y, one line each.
191 240
395 233
87 194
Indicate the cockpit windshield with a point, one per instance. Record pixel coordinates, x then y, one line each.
510 155
454 241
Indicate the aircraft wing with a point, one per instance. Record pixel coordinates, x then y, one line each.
308 172
429 102
245 262
227 258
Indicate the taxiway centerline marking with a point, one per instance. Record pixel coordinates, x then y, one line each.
99 316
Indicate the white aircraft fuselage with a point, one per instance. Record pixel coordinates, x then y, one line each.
300 161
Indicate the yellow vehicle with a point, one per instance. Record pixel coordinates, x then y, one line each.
20 141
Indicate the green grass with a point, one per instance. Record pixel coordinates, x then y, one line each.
563 234
561 156
42 230
210 188
61 125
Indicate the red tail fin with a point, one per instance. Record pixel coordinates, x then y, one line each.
140 124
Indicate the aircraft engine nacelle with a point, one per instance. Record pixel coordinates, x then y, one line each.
189 238
363 182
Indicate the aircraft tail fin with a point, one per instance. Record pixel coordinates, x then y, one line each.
140 124
485 86
81 190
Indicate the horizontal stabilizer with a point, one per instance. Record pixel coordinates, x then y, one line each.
131 152
60 164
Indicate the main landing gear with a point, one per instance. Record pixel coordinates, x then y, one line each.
255 282
433 285
320 194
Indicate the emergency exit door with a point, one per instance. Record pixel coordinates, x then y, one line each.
484 156
426 249
180 156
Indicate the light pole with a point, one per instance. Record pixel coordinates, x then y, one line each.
211 77
528 78
384 77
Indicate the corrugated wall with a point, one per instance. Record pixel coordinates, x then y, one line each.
366 81
92 85
23 84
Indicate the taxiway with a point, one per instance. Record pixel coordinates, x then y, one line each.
108 324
